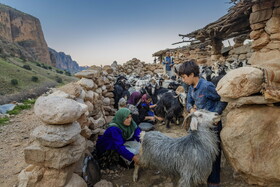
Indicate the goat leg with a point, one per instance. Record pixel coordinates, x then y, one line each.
135 172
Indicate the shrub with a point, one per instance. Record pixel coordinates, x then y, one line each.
44 66
37 64
49 67
27 67
59 71
34 79
14 82
58 79
67 73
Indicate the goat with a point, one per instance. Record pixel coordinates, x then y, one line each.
188 158
170 106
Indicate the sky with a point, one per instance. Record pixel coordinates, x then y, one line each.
98 32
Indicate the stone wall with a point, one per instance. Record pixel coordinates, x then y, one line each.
250 135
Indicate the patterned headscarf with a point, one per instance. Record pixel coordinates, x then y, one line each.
134 98
145 98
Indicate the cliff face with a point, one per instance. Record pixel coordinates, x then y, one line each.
64 62
24 30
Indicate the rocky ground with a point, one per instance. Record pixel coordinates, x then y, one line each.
15 136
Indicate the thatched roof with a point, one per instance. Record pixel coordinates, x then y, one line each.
234 23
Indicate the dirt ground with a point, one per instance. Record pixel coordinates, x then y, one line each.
15 136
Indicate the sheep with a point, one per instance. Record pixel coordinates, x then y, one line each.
189 157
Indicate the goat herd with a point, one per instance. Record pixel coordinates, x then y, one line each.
188 158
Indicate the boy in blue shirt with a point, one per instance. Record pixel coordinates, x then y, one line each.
202 94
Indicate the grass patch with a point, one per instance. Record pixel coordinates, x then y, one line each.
4 120
27 104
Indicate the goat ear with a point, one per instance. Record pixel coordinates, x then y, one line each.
194 123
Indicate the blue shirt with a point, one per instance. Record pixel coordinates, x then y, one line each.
205 96
168 61
112 140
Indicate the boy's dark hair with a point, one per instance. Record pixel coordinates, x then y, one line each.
189 67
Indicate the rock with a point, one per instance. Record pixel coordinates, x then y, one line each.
88 74
73 89
55 157
250 138
103 183
86 132
273 25
266 59
57 135
45 177
240 82
106 101
89 96
57 110
76 181
86 83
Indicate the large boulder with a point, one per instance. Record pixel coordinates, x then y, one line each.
240 82
57 158
57 110
57 135
250 139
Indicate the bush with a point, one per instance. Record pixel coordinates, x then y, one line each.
34 79
59 71
67 73
27 67
49 67
37 64
44 66
14 82
58 79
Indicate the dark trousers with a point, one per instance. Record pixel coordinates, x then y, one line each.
214 177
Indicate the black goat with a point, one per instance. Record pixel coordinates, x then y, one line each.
155 91
169 106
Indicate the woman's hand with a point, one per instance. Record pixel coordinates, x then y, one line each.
136 159
153 106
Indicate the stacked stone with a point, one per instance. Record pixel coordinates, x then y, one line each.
265 25
136 67
251 127
240 53
98 85
58 145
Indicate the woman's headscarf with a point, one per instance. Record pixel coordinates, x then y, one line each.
121 115
145 98
134 98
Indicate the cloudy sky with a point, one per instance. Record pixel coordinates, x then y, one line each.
101 31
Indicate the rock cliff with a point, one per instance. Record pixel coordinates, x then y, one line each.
64 62
24 30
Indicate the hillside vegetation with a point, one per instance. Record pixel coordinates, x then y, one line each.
20 79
